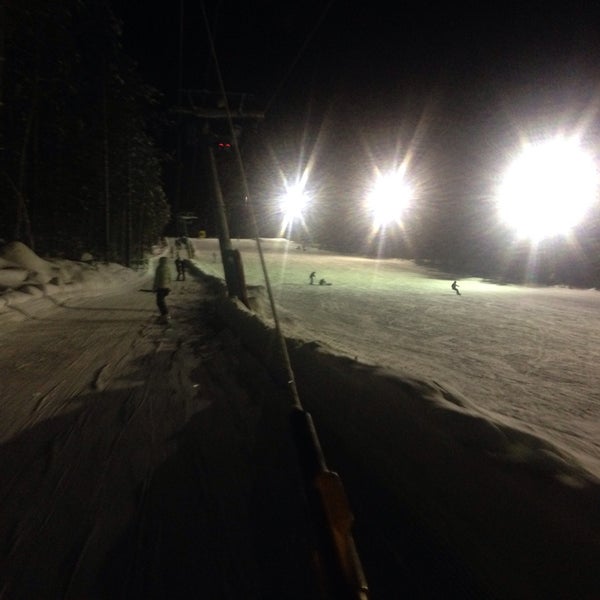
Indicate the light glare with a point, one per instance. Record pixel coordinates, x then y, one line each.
548 189
389 198
293 202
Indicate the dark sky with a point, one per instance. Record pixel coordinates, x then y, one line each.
370 74
360 47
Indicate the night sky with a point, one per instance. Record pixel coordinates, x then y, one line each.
459 85
316 47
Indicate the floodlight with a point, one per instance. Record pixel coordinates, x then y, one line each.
388 198
548 189
293 202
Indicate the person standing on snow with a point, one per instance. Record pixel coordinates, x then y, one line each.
312 277
161 287
454 286
180 266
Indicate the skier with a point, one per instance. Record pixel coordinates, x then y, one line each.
180 266
312 277
323 282
454 286
162 281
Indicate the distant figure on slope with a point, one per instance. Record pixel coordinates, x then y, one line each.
312 277
323 282
161 287
454 286
180 266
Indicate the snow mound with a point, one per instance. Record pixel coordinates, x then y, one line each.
390 402
22 256
27 278
12 277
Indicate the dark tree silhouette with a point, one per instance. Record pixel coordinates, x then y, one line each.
79 170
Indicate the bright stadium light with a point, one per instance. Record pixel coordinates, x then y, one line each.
293 202
548 189
388 198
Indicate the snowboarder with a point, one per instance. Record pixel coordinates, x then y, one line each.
180 266
161 287
312 277
454 286
323 282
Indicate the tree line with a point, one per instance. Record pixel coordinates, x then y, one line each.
79 168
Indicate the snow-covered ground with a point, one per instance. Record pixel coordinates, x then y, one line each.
523 356
30 285
476 416
127 448
478 413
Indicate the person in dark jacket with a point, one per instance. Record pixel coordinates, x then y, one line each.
180 266
312 277
454 286
162 286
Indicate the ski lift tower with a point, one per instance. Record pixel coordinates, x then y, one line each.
338 565
184 221
219 124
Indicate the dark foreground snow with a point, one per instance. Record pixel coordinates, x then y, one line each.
139 461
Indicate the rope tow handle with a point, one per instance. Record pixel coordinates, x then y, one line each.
338 565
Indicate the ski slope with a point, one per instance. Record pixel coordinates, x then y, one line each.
527 355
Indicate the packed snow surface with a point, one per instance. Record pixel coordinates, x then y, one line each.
476 415
522 356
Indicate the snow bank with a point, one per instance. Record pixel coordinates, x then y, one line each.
524 513
38 270
27 278
445 411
